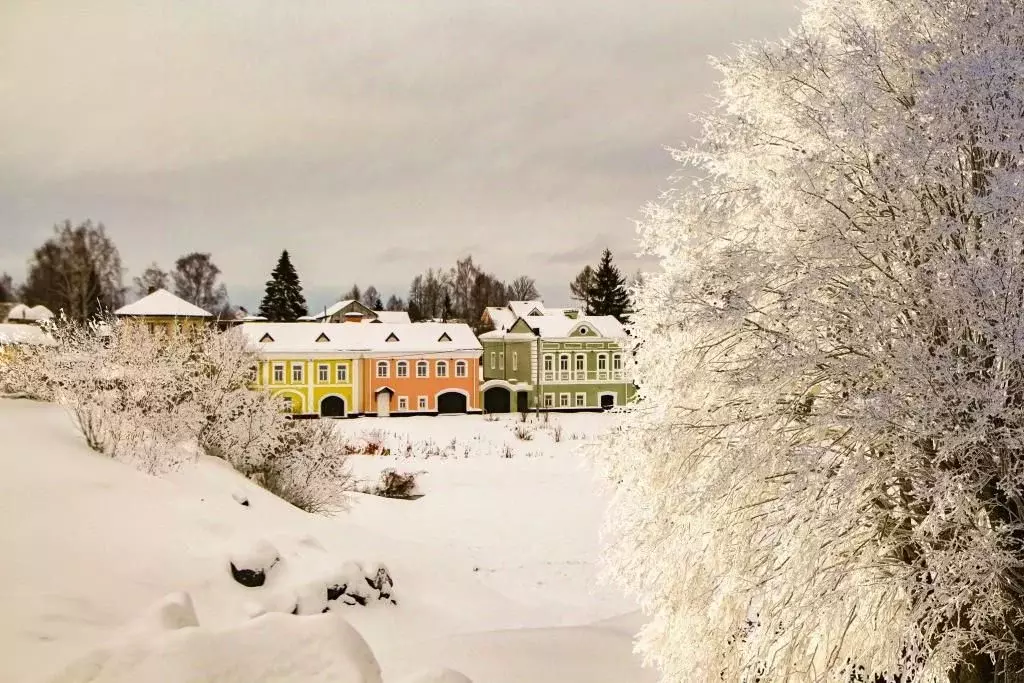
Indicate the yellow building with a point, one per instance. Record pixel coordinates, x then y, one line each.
161 309
309 375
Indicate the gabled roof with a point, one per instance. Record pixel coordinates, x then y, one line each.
162 303
408 338
524 308
393 317
322 338
560 327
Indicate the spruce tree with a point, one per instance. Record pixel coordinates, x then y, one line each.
608 295
283 300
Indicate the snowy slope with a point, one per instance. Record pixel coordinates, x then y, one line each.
495 545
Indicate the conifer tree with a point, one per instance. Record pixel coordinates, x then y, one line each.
608 295
283 300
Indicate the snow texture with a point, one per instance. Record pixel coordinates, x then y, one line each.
162 303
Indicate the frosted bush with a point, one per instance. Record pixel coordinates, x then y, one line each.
308 467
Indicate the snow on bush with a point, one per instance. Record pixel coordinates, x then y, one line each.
395 484
157 399
831 418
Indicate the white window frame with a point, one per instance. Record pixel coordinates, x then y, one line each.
515 361
494 360
565 400
568 366
275 377
580 366
461 368
323 373
581 400
617 362
341 373
584 330
421 403
402 368
424 366
602 362
501 360
442 368
403 403
300 376
549 362
549 400
382 369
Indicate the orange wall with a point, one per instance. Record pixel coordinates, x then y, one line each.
413 387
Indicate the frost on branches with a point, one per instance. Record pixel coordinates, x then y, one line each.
826 466
157 400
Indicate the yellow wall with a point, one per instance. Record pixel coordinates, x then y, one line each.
307 393
154 322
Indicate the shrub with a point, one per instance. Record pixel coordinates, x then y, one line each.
556 432
308 467
523 433
394 484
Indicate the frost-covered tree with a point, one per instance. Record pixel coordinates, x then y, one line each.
283 300
825 467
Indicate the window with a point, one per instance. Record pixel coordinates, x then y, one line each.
402 369
287 405
549 400
382 368
549 363
494 360
279 372
421 368
442 368
515 361
423 403
616 362
563 400
460 368
581 400
584 331
296 372
581 363
501 360
323 372
602 362
403 403
342 375
563 363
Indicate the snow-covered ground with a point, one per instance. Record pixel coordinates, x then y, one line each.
494 567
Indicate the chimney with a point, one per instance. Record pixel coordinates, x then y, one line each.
353 317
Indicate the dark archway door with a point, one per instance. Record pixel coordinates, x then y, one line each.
523 399
607 401
451 402
498 400
332 406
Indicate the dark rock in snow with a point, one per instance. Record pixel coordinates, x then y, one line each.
335 592
250 578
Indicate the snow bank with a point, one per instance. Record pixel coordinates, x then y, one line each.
438 676
271 647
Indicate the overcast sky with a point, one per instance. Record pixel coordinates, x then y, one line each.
371 138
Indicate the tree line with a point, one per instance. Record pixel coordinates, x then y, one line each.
78 270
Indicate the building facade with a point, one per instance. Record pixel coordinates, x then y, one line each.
161 310
346 369
553 359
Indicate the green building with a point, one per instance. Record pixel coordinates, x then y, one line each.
551 359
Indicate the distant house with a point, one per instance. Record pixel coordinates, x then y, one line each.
350 310
552 359
16 335
161 309
22 314
346 369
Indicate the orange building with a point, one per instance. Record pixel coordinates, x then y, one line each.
421 368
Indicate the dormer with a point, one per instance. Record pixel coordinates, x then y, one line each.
392 337
266 338
444 337
323 337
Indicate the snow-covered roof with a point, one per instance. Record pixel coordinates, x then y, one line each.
502 318
406 338
14 333
524 308
163 303
393 317
23 312
560 326
40 312
330 310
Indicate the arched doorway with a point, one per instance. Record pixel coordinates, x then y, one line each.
384 402
332 406
451 402
497 400
607 401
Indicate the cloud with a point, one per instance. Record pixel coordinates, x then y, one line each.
371 139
